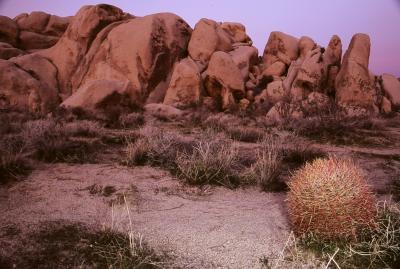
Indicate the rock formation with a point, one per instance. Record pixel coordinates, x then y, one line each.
103 58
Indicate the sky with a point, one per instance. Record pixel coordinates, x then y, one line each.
318 19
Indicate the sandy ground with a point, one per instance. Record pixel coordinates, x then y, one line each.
211 228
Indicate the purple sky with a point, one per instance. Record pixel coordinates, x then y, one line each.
315 18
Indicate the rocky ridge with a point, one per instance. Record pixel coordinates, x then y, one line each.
103 58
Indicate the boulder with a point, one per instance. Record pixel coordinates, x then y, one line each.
276 69
236 31
184 89
391 86
306 44
8 31
43 23
34 22
41 69
7 51
280 47
163 111
34 41
102 96
315 103
275 92
244 57
281 111
354 86
223 79
142 50
309 76
386 106
333 53
69 52
22 90
208 37
292 74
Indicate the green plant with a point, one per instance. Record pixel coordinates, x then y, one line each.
331 199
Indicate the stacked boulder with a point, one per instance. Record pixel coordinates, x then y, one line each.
30 32
103 59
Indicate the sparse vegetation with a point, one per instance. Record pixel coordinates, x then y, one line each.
74 245
265 171
211 162
331 199
340 130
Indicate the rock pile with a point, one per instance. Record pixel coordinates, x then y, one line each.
103 58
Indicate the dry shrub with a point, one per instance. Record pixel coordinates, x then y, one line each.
265 171
156 147
52 141
211 162
331 199
245 133
83 128
132 120
300 153
13 162
341 130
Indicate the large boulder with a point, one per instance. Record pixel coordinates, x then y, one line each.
276 92
208 37
309 76
141 50
306 44
280 47
185 87
354 86
34 22
276 69
34 41
7 51
69 52
333 53
8 31
223 80
102 97
237 32
244 57
391 86
21 89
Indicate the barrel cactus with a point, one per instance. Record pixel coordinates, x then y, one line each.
331 199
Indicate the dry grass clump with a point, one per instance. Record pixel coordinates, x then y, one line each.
331 199
266 169
132 120
300 153
245 133
51 141
156 147
13 162
211 162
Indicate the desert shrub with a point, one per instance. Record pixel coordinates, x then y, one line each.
157 148
51 141
330 198
75 245
300 153
266 169
338 129
13 163
211 162
132 120
245 133
83 128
